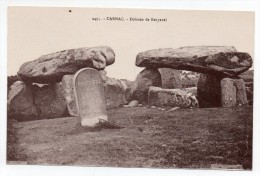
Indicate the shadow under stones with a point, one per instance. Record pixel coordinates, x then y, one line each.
78 129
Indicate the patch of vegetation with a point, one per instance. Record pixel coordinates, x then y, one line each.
184 138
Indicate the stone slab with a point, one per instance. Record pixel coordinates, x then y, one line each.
222 60
90 96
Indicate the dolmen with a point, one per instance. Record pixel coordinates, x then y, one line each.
46 87
219 84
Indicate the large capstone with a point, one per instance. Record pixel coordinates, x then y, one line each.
50 68
220 60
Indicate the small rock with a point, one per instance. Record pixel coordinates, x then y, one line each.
173 109
164 145
161 109
133 103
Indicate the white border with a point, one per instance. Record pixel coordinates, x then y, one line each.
226 5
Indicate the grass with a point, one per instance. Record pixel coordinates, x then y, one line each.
185 138
14 153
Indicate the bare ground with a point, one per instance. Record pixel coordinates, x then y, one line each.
184 138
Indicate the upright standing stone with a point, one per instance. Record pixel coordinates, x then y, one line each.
146 78
228 93
67 84
90 96
20 103
241 92
171 78
50 101
233 92
114 92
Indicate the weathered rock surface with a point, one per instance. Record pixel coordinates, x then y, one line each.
209 91
20 103
189 78
233 92
51 68
50 101
114 92
146 78
68 88
171 79
172 97
221 60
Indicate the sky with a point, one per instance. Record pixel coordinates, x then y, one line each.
36 31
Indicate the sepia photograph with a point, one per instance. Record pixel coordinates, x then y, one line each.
130 88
